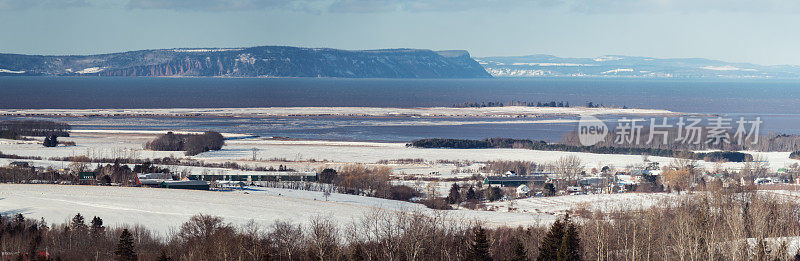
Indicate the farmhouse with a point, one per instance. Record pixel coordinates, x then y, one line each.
515 181
185 184
87 177
523 191
19 164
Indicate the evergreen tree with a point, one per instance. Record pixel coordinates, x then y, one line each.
455 196
50 141
548 250
570 248
561 243
125 251
97 227
479 249
494 193
78 222
519 252
471 193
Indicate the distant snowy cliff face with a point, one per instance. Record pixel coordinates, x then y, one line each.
629 66
265 61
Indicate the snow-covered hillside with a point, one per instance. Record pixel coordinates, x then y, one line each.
166 209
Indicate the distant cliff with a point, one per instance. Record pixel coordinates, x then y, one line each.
264 61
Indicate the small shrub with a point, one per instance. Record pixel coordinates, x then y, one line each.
403 192
437 203
729 156
494 194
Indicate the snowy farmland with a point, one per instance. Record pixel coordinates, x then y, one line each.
596 202
310 155
166 209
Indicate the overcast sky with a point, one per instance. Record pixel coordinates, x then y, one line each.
762 32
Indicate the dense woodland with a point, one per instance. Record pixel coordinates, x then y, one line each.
542 145
728 225
192 144
15 129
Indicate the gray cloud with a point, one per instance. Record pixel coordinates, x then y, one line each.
339 6
575 6
345 6
382 6
10 5
680 6
208 5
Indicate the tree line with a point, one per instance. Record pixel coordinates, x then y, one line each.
740 225
378 236
359 179
50 130
511 103
554 104
15 129
192 144
731 156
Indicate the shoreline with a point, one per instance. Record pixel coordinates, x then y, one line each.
341 112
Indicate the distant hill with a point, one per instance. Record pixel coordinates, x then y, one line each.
263 61
629 66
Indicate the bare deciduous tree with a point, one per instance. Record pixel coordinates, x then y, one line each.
569 167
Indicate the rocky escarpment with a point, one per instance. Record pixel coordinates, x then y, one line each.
265 61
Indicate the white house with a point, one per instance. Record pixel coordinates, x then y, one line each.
574 189
523 190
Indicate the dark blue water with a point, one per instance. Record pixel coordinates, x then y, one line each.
776 101
714 96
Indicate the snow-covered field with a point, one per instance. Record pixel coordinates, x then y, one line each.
602 202
95 145
307 155
165 209
507 111
371 152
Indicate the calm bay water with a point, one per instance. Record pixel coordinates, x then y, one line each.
714 96
776 101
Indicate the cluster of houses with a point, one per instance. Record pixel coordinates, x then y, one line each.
206 181
537 184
